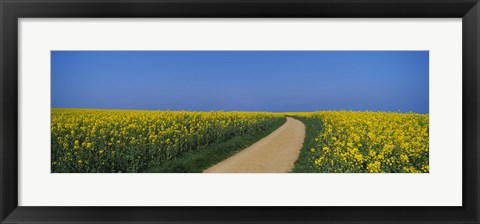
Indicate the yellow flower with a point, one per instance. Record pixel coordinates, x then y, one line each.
374 167
371 141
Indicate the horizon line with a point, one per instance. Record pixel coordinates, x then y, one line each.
389 111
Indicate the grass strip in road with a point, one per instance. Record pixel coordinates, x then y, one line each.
196 161
304 163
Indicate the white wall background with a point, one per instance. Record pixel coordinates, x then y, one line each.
442 186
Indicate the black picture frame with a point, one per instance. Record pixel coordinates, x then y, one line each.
12 10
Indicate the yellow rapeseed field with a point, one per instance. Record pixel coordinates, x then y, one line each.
86 140
373 142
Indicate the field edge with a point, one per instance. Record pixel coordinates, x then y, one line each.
196 161
313 128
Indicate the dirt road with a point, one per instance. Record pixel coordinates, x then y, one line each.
275 153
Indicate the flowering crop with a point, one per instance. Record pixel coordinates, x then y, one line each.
370 142
128 141
86 140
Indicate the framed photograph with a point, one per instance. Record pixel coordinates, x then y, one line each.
231 111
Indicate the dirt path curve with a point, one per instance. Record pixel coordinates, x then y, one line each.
275 153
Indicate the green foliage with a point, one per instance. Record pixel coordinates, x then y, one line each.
304 163
203 157
111 141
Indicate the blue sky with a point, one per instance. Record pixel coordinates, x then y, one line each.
241 80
